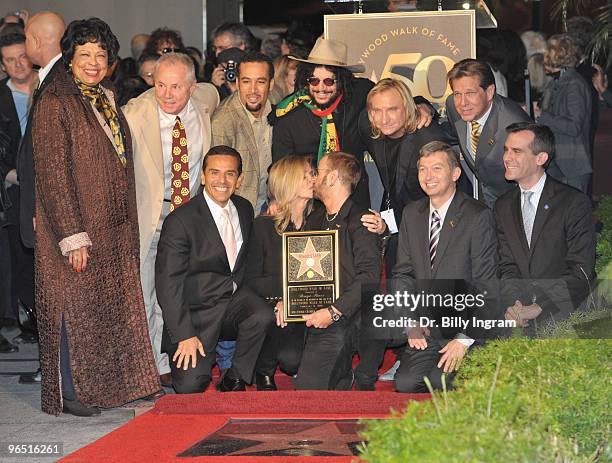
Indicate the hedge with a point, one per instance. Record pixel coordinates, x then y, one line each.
516 400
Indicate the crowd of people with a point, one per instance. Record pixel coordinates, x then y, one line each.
150 194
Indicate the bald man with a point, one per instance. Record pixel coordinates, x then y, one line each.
43 33
138 44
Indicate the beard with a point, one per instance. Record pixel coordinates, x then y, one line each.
334 96
254 108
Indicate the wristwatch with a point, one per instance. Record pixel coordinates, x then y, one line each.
334 315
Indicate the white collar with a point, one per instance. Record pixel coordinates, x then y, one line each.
44 71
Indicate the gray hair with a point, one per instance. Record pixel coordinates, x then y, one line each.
177 58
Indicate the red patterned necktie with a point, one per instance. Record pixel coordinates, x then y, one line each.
179 189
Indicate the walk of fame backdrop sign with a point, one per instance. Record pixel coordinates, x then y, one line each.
310 272
418 48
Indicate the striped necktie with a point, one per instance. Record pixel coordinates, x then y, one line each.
475 136
434 235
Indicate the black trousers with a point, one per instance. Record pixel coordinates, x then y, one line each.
417 364
247 321
22 258
327 358
282 347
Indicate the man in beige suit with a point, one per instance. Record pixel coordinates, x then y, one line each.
241 122
176 109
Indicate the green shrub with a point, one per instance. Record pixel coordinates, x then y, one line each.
604 239
550 403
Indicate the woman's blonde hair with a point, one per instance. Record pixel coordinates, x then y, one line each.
282 66
410 108
284 183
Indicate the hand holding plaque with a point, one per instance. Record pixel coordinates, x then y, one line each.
310 272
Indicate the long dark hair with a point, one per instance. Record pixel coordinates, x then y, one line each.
344 77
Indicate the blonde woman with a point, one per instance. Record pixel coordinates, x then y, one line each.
291 185
284 78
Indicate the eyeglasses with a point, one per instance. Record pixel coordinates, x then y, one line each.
314 81
148 74
171 50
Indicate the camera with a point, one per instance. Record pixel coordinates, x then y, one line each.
230 71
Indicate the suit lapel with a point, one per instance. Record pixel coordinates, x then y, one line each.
487 135
245 229
151 135
542 213
521 245
401 166
453 215
244 123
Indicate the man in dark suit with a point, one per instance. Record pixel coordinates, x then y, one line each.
43 34
199 266
545 232
447 246
477 119
15 92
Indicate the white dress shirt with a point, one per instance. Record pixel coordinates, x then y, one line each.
217 212
42 73
537 192
193 128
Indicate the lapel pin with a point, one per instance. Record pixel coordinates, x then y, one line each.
546 207
491 142
452 223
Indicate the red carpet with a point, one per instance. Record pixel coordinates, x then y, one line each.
179 421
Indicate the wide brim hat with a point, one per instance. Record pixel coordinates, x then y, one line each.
329 52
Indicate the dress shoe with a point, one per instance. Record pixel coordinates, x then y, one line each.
155 396
6 347
76 408
166 380
25 338
265 382
230 384
31 378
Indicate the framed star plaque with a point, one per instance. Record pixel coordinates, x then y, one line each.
311 272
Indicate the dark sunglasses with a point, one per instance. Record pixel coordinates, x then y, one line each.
172 50
314 81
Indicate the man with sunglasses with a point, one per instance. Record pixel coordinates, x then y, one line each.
322 115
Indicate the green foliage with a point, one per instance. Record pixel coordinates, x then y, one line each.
550 402
604 240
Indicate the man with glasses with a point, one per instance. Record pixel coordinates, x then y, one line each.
477 121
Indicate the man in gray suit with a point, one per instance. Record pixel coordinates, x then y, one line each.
447 247
477 121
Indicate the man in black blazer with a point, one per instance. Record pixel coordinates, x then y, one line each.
198 269
43 34
447 246
477 119
15 91
545 231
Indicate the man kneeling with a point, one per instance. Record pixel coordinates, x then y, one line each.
199 267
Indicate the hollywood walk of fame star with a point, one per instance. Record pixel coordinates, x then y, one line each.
309 259
291 437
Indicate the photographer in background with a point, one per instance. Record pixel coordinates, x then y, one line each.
224 76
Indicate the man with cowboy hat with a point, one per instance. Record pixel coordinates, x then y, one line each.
322 115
